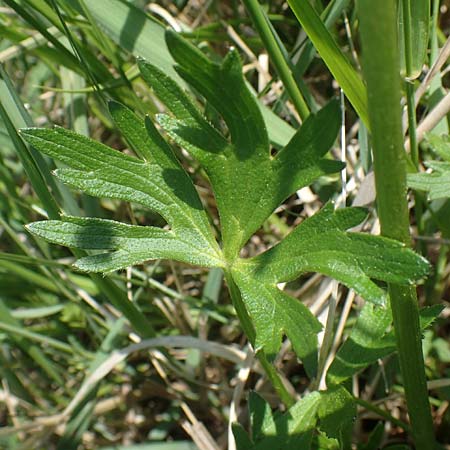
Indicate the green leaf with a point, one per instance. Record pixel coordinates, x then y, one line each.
131 244
336 61
275 313
160 184
440 145
241 438
248 183
364 345
337 412
370 341
319 244
436 183
375 439
420 26
293 429
261 416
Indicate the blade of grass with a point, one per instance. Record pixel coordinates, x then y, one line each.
32 336
415 16
81 416
112 291
36 24
277 57
337 63
17 117
31 169
329 16
381 50
33 351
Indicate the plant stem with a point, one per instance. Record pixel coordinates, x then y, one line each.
381 412
282 67
247 326
381 66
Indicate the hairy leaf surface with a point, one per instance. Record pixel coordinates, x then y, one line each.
249 183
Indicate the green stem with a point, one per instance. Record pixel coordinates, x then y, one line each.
382 72
247 326
382 413
276 55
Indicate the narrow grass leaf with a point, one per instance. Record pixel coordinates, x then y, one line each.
27 345
419 28
336 61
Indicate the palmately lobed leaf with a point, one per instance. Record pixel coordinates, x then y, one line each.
320 244
274 314
248 183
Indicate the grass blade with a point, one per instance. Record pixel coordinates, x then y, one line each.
339 66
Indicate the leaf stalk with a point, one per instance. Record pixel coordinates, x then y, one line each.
249 330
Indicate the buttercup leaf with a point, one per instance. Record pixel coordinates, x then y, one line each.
249 183
131 244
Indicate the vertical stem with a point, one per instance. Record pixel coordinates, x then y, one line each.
247 326
282 67
381 66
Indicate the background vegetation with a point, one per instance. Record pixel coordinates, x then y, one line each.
185 371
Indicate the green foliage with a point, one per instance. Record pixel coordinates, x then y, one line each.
248 185
418 15
437 183
318 418
370 341
293 429
338 64
70 61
